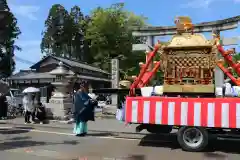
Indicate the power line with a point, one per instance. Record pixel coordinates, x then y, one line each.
23 61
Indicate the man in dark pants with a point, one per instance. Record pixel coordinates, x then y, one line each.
3 106
41 113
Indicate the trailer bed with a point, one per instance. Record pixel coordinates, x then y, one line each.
199 112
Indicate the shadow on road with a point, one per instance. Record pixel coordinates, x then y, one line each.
25 141
218 156
224 146
27 128
71 142
11 131
128 157
155 140
19 138
170 141
16 144
135 157
102 134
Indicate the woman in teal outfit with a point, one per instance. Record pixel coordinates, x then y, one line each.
83 110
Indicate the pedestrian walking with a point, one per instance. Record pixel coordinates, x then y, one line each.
83 110
28 107
3 106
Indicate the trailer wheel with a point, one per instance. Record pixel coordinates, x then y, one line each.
193 139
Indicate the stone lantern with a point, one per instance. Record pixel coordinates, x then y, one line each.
72 78
61 82
60 103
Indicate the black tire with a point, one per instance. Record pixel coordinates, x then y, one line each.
157 129
203 142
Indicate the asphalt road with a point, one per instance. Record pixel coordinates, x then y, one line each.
111 125
19 142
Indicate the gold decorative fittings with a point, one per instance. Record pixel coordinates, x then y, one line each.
230 69
220 62
230 51
183 24
238 81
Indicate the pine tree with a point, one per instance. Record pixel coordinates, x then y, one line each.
79 43
9 33
64 33
54 38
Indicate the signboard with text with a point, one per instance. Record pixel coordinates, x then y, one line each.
115 72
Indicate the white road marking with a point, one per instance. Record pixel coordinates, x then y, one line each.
6 127
71 134
87 137
50 132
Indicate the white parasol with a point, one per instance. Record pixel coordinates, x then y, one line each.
31 90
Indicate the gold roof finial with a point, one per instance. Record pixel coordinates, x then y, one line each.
183 24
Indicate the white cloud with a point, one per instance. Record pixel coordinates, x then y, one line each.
197 4
205 4
27 11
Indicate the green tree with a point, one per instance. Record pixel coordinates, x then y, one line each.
110 34
55 38
78 28
64 33
236 57
10 32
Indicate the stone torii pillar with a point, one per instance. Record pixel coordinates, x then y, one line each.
149 42
218 73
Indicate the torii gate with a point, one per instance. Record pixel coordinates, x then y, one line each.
214 26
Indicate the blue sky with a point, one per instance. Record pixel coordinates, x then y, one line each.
31 15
